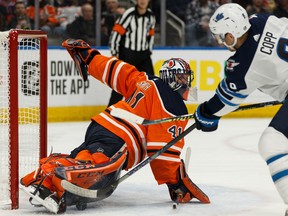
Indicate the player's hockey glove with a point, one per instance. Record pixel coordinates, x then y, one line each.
81 53
204 121
185 190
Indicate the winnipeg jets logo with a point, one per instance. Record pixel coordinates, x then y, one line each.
231 64
219 17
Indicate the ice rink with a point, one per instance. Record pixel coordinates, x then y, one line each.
225 164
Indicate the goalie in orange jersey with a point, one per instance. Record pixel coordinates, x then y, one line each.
112 144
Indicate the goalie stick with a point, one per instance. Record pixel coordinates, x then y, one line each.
175 204
90 193
140 120
187 157
120 113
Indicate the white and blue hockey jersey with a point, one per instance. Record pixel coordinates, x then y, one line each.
260 63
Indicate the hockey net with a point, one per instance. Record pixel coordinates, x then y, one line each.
23 108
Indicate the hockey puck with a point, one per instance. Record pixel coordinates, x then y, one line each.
174 206
81 206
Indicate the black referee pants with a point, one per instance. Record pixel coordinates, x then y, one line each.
140 59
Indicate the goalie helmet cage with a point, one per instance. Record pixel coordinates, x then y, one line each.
23 108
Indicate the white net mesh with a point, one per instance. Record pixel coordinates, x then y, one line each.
28 110
29 104
4 118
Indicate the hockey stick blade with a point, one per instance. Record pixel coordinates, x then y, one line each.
187 157
90 193
120 113
79 190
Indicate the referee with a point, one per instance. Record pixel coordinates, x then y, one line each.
132 39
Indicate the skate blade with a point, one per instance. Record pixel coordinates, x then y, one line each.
47 203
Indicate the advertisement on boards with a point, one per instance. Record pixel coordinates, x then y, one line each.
66 88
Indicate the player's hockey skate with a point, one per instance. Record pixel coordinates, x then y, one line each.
44 197
81 53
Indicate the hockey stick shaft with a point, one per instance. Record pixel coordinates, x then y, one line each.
257 105
156 154
97 193
139 120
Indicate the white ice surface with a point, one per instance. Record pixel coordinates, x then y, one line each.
225 164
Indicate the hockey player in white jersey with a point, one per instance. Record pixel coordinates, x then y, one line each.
260 62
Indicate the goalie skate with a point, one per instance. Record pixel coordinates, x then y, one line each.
50 202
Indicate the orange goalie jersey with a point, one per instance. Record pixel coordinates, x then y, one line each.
149 97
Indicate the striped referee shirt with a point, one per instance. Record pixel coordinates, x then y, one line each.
133 31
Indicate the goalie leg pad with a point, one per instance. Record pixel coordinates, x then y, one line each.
48 163
33 177
81 171
100 158
43 176
185 189
194 190
91 176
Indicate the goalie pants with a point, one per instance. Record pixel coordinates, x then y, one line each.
99 139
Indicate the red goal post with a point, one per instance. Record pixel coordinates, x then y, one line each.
23 108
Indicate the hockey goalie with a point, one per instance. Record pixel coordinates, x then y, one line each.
112 144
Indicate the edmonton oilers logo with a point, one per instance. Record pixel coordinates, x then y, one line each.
171 63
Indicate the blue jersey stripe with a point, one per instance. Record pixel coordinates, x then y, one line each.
225 88
280 175
224 100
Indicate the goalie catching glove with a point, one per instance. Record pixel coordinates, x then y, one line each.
81 53
185 190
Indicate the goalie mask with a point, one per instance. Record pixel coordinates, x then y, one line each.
178 75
